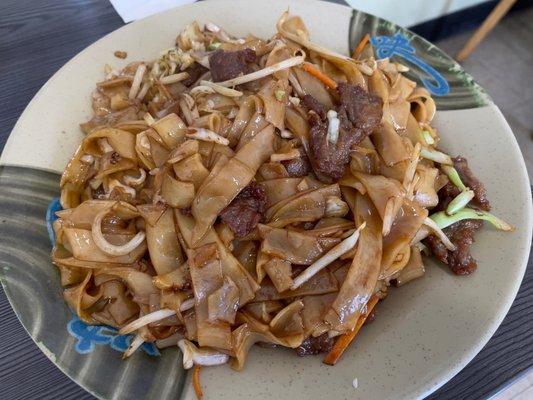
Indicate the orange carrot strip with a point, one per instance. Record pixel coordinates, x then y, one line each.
319 75
196 382
344 341
360 47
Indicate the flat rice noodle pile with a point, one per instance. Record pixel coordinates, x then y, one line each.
194 212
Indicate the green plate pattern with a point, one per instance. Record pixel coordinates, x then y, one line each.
464 92
32 285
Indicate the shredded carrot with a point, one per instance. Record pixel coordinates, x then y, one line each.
319 75
196 382
360 47
344 341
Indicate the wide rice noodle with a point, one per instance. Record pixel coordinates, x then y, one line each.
196 213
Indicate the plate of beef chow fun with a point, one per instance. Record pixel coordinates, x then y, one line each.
240 199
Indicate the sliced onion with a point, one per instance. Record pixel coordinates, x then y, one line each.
207 136
147 319
410 189
221 89
288 63
340 249
421 234
411 167
333 126
388 216
297 88
135 344
137 80
290 155
197 90
190 113
130 180
144 89
109 248
193 355
442 236
167 80
189 101
187 304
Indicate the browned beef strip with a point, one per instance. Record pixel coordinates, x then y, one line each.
446 194
226 65
195 71
359 113
315 345
329 159
363 110
298 167
245 211
313 104
468 178
461 234
450 191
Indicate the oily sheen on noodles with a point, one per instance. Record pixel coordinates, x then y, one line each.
244 190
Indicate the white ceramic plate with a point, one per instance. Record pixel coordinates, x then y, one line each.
425 332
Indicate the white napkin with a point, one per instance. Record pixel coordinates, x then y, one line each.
130 10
